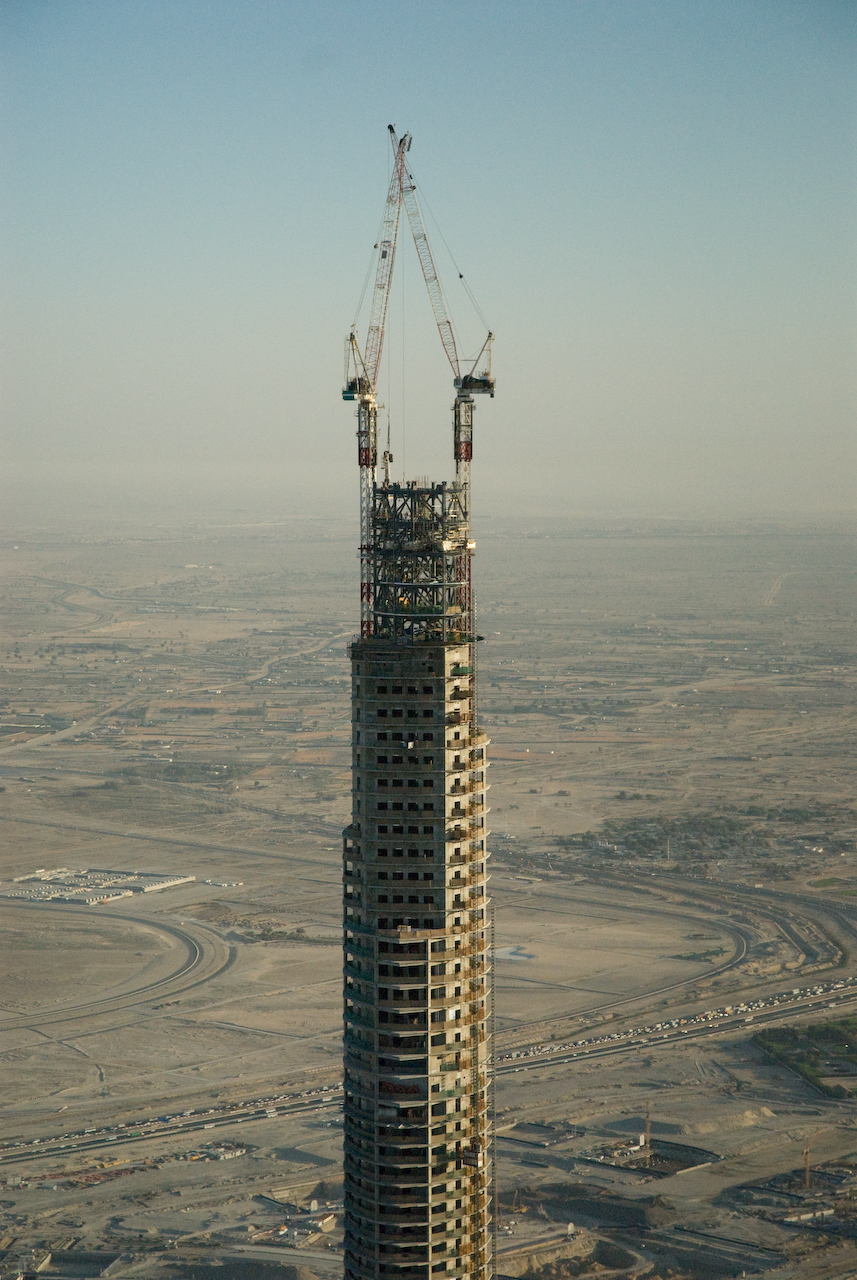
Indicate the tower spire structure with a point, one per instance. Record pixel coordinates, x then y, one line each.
417 932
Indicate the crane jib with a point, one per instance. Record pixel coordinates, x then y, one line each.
362 368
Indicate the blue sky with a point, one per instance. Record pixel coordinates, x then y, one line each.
653 203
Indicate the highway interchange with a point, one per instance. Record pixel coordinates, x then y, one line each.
822 932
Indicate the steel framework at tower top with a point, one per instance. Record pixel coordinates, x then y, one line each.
362 369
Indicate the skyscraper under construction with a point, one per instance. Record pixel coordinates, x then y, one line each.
417 920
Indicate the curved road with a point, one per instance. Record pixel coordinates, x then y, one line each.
741 937
205 957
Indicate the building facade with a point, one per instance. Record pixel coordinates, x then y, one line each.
417 920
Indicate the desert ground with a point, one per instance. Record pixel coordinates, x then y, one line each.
674 870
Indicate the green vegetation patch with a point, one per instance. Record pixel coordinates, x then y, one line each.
816 1052
286 935
188 770
688 836
698 837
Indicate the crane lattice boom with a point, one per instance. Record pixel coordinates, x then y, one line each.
366 366
361 368
447 337
386 258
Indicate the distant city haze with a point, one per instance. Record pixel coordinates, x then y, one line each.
653 204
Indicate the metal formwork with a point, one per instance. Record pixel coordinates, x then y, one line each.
420 564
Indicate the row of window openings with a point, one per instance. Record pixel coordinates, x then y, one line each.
412 742
428 783
399 1211
397 897
367 1192
429 760
428 807
382 805
418 1136
413 922
400 831
400 875
400 737
401 760
399 714
414 971
457 901
412 688
439 1189
420 1226
413 852
437 993
405 1211
400 782
415 875
455 1040
370 1188
418 1233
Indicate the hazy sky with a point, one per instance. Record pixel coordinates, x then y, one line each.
653 203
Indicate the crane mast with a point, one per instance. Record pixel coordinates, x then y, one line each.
361 373
469 383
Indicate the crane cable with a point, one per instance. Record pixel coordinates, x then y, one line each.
404 368
388 459
368 273
372 254
365 286
467 288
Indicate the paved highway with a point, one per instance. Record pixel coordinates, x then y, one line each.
840 995
793 916
328 1098
207 955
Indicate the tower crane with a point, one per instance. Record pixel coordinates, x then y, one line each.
361 371
466 384
362 368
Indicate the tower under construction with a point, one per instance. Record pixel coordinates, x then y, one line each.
417 920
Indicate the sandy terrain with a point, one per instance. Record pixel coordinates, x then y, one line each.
176 700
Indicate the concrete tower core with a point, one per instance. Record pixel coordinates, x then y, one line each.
417 921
